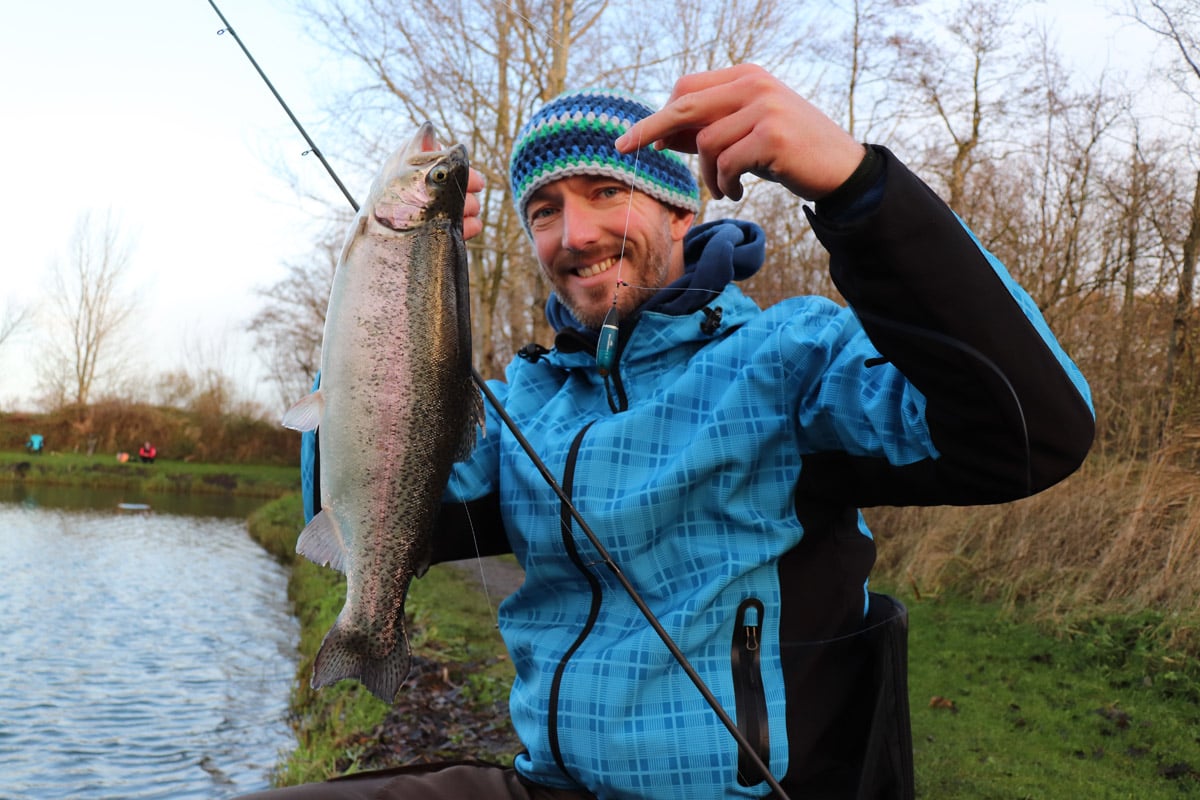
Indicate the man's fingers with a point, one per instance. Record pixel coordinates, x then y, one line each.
696 101
475 181
472 224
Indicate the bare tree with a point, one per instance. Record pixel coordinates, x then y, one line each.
416 67
866 42
1178 23
288 329
92 308
972 78
13 318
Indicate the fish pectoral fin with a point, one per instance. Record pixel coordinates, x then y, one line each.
305 415
321 542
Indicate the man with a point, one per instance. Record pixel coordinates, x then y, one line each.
721 452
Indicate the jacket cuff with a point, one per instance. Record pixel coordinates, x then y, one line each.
859 194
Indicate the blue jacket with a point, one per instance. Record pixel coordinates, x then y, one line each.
723 464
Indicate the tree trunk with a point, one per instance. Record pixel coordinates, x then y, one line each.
1179 336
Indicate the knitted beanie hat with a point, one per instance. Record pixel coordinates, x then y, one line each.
573 134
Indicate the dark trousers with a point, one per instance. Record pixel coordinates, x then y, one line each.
451 781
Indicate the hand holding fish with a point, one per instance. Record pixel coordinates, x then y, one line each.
744 120
472 224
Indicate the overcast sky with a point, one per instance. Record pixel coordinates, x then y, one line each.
139 106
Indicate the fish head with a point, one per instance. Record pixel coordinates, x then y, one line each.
421 182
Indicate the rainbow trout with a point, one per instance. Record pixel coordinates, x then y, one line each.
395 406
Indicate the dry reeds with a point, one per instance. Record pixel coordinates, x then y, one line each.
1116 536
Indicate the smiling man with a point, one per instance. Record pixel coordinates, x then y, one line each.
724 453
595 215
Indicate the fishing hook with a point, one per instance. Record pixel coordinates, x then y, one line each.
743 743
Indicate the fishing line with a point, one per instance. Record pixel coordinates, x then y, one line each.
493 609
637 154
748 750
981 358
681 289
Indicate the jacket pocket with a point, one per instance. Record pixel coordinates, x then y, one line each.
748 688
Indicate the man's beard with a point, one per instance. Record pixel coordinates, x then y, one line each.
657 261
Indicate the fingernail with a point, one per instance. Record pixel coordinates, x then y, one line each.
621 141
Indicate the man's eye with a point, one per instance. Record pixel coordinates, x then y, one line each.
541 213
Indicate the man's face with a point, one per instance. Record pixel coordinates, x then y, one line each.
582 224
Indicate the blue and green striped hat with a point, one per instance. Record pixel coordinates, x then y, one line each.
573 134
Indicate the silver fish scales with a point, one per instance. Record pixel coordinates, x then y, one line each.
395 407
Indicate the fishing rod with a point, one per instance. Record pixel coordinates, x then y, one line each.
743 743
312 146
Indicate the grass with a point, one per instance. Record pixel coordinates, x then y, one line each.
162 477
1118 535
1004 708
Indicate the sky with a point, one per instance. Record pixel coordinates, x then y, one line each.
141 108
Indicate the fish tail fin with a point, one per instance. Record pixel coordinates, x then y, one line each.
339 659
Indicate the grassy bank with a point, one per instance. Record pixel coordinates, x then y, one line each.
338 728
164 476
1005 703
206 431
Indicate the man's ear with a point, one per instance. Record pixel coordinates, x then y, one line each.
681 222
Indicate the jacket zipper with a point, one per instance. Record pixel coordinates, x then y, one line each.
749 696
566 525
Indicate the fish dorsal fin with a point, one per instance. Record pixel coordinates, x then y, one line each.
322 543
428 139
306 414
423 141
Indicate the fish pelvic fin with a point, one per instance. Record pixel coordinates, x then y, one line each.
321 542
342 657
305 415
477 418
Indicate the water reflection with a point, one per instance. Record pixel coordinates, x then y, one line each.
74 497
142 655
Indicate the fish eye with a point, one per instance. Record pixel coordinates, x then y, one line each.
439 174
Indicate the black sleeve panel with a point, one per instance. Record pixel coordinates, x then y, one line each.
470 530
1003 413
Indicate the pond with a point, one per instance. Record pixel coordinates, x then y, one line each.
143 654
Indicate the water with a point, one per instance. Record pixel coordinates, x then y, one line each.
142 654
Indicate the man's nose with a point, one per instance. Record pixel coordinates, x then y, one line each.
580 225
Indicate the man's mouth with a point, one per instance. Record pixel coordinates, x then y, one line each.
597 268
